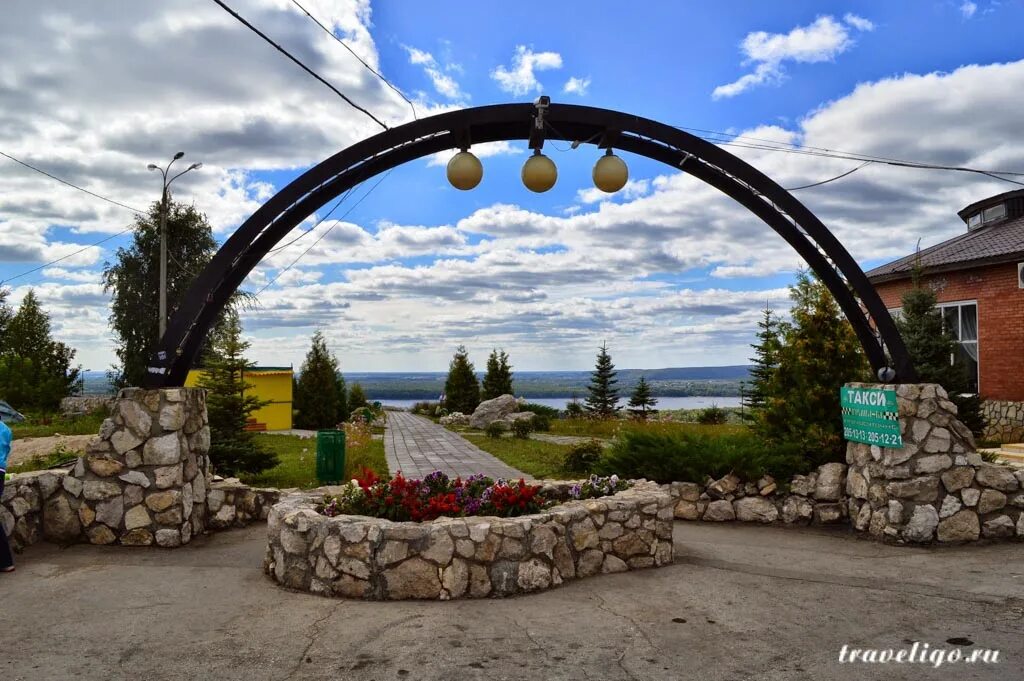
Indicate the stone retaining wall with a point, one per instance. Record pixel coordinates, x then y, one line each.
233 504
819 498
476 557
935 488
1004 421
25 499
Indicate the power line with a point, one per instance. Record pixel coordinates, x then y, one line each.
305 68
771 145
333 208
326 232
353 53
831 179
69 184
69 255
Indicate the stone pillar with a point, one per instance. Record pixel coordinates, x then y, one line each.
144 479
936 486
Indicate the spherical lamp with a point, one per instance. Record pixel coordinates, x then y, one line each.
539 172
465 170
610 173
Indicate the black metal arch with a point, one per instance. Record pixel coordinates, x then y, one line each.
734 177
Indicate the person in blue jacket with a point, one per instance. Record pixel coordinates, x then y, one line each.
6 559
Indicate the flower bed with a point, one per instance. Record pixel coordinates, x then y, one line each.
437 495
356 556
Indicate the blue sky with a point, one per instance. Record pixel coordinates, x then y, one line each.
666 271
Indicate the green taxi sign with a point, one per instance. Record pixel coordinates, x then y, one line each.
871 416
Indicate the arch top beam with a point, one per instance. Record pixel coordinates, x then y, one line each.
763 197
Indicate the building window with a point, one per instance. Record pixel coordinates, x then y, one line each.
961 319
997 212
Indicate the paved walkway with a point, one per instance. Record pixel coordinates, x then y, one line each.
418 446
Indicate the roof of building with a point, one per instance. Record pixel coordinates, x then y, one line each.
990 244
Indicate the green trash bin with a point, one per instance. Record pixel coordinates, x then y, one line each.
330 456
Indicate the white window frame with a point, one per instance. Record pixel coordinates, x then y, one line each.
896 312
960 321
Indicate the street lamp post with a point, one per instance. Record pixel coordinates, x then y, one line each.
163 231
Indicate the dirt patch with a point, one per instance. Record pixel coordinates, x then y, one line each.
25 448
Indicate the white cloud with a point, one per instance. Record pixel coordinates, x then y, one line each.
82 276
858 22
822 40
577 86
968 8
632 190
442 81
483 150
520 79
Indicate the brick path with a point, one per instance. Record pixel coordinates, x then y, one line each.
418 446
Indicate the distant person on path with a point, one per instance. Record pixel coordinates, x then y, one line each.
6 559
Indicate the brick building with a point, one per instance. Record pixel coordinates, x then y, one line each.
978 278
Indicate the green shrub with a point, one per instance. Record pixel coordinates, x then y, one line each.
425 408
540 410
495 429
521 428
694 457
541 423
574 410
582 457
713 416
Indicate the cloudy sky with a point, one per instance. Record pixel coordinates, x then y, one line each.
667 272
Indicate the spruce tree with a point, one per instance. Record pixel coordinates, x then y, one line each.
931 346
603 398
819 353
641 402
765 361
35 370
356 398
317 397
498 379
233 449
461 389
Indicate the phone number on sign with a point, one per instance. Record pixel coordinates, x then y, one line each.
871 437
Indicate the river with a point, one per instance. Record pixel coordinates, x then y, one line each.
699 402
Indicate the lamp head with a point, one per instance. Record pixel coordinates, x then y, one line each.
195 166
610 173
465 170
179 155
539 172
152 166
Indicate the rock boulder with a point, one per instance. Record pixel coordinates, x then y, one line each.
493 410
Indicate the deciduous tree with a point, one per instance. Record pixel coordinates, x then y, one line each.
134 282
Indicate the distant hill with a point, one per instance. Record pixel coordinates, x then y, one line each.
722 381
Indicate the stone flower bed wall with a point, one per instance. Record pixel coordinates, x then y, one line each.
818 498
475 557
935 488
26 497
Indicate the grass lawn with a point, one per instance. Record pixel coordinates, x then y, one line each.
539 459
608 429
298 462
44 425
